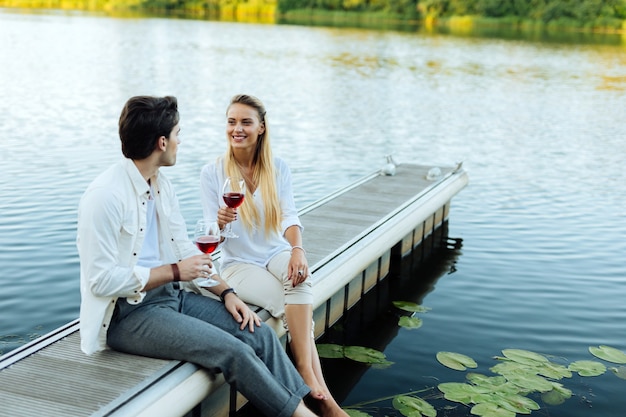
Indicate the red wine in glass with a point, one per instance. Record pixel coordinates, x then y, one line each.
207 237
233 200
207 244
233 193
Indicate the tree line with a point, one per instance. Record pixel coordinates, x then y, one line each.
584 13
578 13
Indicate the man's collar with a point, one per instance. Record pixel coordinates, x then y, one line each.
139 183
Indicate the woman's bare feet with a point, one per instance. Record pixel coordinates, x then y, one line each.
330 408
325 403
318 391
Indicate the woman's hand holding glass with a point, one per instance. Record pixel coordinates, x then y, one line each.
233 193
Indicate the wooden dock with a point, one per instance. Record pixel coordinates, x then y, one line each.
349 237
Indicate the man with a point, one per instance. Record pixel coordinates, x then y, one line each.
136 261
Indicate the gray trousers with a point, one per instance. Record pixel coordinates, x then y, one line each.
174 324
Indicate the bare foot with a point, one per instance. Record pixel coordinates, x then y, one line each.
317 391
330 408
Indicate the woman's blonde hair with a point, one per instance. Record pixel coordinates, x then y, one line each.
264 174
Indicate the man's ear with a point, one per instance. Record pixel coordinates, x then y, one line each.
162 143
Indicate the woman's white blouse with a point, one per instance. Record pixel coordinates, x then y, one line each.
252 246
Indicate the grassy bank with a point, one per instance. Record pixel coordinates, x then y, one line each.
528 25
456 24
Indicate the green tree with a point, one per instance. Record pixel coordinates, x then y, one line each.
463 7
495 8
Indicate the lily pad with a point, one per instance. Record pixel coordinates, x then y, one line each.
516 403
330 351
365 355
552 397
512 368
553 370
491 410
413 406
495 384
566 392
456 361
608 353
459 392
530 382
587 368
619 372
524 356
410 306
488 397
410 322
356 413
557 395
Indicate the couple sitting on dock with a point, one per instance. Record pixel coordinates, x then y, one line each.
137 264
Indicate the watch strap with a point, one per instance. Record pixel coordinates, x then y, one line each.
227 291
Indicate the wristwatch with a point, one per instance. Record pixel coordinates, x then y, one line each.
227 291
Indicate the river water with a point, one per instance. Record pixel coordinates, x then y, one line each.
539 125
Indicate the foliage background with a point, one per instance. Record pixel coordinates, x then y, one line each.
579 14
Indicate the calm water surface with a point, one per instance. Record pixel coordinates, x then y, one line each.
540 128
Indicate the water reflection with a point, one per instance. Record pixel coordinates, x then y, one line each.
373 322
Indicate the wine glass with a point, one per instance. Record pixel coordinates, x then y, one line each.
206 237
233 193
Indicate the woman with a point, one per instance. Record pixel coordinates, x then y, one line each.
266 263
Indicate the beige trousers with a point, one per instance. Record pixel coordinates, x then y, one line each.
268 287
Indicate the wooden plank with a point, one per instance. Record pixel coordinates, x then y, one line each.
17 405
355 290
57 373
370 276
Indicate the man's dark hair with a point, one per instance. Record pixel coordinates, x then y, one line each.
144 119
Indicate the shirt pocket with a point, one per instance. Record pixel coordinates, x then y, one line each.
128 236
130 224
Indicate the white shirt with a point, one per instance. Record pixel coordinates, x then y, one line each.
251 246
150 255
111 230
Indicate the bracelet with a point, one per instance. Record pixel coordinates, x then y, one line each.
176 272
298 247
